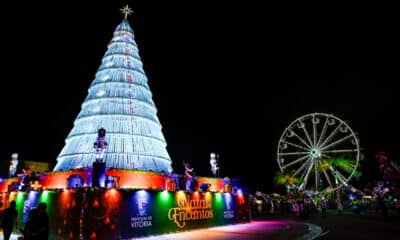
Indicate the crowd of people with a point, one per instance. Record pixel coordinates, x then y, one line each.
8 218
36 227
306 206
380 196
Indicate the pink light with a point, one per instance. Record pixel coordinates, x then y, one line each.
237 231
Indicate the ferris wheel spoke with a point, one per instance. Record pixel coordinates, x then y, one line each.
303 174
354 166
296 145
307 135
301 168
340 170
301 140
343 179
308 173
323 131
292 153
314 133
341 151
333 133
324 156
316 171
331 170
339 176
336 142
327 178
295 161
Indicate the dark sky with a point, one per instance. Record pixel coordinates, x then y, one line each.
226 76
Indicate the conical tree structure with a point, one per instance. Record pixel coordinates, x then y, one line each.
120 101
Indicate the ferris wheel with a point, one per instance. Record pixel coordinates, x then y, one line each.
320 152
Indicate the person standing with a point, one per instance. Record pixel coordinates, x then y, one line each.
188 178
43 222
297 208
340 208
324 206
9 216
30 229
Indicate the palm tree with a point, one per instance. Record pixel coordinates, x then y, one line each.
282 178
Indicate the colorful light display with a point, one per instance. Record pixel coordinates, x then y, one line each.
140 194
84 212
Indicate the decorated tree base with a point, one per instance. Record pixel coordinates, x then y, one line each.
125 213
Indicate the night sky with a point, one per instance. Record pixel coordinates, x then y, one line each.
226 76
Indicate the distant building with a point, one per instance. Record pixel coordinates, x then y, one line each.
23 164
36 166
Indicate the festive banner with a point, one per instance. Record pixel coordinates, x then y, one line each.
124 214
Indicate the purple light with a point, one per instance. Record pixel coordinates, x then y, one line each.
351 196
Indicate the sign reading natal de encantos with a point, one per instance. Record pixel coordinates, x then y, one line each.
146 212
189 210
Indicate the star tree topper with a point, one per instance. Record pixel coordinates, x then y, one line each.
126 11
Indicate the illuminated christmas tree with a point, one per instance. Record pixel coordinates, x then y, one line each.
120 101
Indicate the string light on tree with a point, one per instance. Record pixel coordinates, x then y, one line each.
119 100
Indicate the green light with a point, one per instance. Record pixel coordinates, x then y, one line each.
218 203
218 197
164 198
20 198
45 196
165 195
